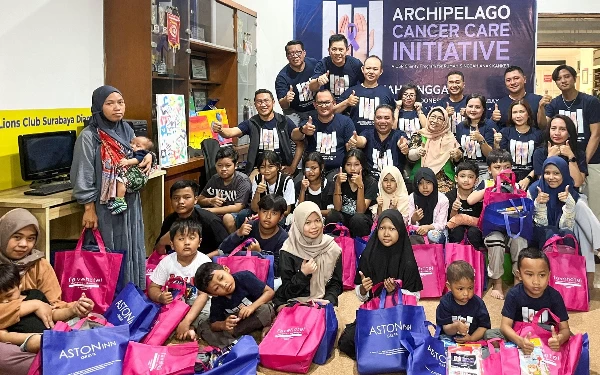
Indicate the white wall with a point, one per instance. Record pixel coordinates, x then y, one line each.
52 53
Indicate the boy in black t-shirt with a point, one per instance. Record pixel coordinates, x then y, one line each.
462 216
461 313
240 304
526 299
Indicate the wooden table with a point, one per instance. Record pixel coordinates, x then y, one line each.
60 216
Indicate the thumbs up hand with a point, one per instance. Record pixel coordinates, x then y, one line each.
526 345
262 186
399 104
304 184
418 106
417 215
352 99
308 266
566 150
456 205
542 197
546 99
403 145
289 97
352 142
323 78
496 115
564 195
554 341
309 128
365 282
553 150
380 201
449 110
245 228
341 177
497 137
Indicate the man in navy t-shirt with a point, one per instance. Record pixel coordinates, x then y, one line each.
360 101
338 71
383 145
515 80
292 83
584 110
328 133
456 101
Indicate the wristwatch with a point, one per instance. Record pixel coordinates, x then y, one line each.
301 129
573 160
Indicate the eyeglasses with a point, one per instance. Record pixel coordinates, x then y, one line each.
323 104
263 101
294 53
436 118
405 95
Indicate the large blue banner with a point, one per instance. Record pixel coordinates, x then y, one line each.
421 41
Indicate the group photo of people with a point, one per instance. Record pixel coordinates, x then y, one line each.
478 216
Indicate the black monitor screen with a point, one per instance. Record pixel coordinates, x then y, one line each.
46 155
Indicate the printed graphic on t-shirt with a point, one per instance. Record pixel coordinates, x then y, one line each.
577 118
466 320
348 205
528 315
269 140
326 143
471 147
366 108
522 152
228 195
409 126
338 84
304 92
382 159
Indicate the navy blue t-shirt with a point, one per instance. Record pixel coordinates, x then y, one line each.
474 313
541 154
247 285
584 110
363 114
408 122
472 149
330 139
521 148
299 81
381 154
340 78
519 307
504 103
456 118
269 137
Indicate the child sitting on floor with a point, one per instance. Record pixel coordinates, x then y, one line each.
180 268
392 192
28 330
461 313
240 304
427 207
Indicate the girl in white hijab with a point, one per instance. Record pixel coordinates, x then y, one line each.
392 192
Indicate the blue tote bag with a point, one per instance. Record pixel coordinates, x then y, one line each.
378 334
331 329
99 351
241 360
513 217
134 309
427 353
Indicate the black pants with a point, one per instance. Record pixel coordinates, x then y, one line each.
346 343
474 236
358 224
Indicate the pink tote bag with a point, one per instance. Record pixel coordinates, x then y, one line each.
504 362
430 260
258 266
293 339
151 264
346 243
391 299
167 320
462 251
568 276
93 273
160 360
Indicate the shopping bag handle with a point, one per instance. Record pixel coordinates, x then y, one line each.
244 245
491 347
558 239
340 228
383 294
97 237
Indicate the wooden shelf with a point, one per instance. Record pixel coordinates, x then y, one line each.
203 82
202 46
169 78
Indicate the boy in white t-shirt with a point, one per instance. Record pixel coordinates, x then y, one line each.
180 268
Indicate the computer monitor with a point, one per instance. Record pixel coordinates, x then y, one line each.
46 155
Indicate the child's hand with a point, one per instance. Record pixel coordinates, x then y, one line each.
389 284
262 186
341 177
231 322
358 180
304 184
380 201
254 246
461 328
542 197
366 282
417 215
44 312
564 195
83 306
394 203
554 341
217 200
245 229
123 162
526 345
246 311
456 205
165 297
185 331
308 266
464 339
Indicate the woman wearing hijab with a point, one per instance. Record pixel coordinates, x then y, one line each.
310 262
387 257
94 177
392 192
438 149
19 230
427 207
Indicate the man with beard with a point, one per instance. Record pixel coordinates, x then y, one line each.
338 71
361 100
267 130
584 110
515 80
383 145
455 102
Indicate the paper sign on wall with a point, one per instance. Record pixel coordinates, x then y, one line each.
171 124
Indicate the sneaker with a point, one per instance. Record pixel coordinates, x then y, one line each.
110 205
119 206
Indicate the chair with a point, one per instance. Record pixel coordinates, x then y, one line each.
209 149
